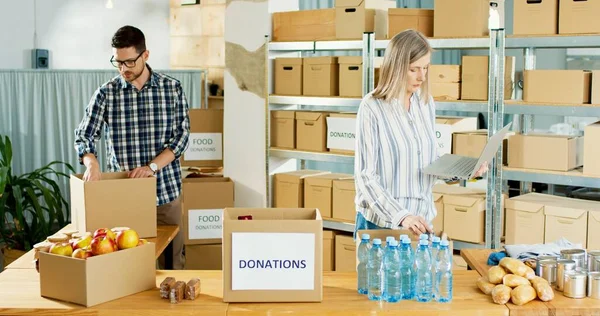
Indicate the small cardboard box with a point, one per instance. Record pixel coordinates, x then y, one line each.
595 87
525 219
345 254
344 193
311 131
401 19
98 279
593 239
545 152
462 211
304 25
283 129
535 17
203 202
203 257
557 86
475 77
566 221
591 150
114 201
472 143
445 91
318 192
206 139
445 126
341 133
288 191
288 76
438 220
444 73
350 76
352 19
290 269
321 76
460 18
328 250
578 17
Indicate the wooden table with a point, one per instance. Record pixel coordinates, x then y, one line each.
164 236
560 305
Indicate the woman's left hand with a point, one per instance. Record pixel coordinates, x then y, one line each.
482 170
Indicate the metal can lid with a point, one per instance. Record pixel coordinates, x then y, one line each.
575 275
566 262
573 251
545 257
594 275
594 253
547 262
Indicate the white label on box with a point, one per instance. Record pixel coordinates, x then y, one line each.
205 146
205 224
443 133
272 261
341 133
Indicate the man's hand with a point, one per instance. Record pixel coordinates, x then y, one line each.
416 224
482 170
141 172
92 173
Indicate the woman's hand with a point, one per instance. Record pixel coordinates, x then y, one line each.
482 170
416 224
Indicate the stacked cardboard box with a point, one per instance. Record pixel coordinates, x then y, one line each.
345 253
578 17
545 152
403 19
460 18
472 143
445 82
318 192
329 250
475 77
591 151
446 126
288 190
557 86
535 17
304 25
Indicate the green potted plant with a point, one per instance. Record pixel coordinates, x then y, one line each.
31 204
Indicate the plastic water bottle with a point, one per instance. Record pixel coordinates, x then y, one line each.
391 265
435 248
363 258
400 239
406 270
443 284
375 271
387 240
423 287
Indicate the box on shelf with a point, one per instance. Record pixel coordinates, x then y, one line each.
341 133
445 126
351 69
535 17
328 250
311 131
288 76
352 19
441 91
472 143
98 279
206 139
545 152
344 192
289 187
557 86
591 151
318 192
283 129
320 76
525 219
475 77
568 221
203 257
114 201
438 220
295 239
460 18
444 73
578 17
593 239
304 25
401 19
203 202
345 254
462 211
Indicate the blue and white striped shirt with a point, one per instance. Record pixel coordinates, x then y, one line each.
392 148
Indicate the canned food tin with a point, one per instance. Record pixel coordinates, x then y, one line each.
540 258
562 266
574 254
548 270
575 284
593 261
590 284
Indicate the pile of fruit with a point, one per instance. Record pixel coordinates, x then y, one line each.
513 280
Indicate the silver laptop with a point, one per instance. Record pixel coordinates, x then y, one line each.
463 168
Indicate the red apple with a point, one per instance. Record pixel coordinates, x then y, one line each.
142 242
127 239
100 232
103 245
63 249
82 242
82 254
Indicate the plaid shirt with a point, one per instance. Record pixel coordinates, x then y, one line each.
138 126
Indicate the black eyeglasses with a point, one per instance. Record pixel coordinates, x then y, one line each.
130 63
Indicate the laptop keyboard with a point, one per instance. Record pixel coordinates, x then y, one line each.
463 167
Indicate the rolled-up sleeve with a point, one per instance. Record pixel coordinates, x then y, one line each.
89 129
178 143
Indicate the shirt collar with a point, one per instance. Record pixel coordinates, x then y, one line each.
152 82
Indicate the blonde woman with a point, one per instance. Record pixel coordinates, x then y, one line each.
396 140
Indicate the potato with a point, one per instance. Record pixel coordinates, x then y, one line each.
501 294
543 289
513 281
495 274
484 285
523 294
514 266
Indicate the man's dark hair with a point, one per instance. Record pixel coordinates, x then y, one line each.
129 36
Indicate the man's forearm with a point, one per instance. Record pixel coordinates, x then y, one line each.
89 161
164 158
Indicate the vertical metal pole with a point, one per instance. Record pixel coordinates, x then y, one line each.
526 121
368 56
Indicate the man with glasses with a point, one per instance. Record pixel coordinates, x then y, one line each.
145 119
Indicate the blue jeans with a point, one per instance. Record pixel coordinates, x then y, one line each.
362 223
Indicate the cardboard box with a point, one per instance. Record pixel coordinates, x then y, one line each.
304 25
445 91
98 279
438 220
595 93
114 201
525 219
403 19
344 193
591 150
444 73
566 221
206 139
328 250
381 8
341 133
460 18
288 191
203 257
593 238
475 77
445 126
321 76
462 211
545 152
311 131
352 19
318 192
295 239
288 76
350 76
203 202
345 254
535 17
557 86
283 129
472 143
578 17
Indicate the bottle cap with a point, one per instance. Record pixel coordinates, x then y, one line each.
444 243
388 239
393 243
403 236
405 240
376 241
366 236
423 237
436 239
424 242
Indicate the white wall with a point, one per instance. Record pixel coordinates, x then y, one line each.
78 32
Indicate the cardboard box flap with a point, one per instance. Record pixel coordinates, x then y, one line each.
350 60
296 176
308 116
412 12
325 60
447 120
347 241
283 114
595 215
326 180
463 200
349 3
231 214
524 206
344 184
544 135
456 190
206 180
105 176
328 234
564 210
476 132
288 61
437 197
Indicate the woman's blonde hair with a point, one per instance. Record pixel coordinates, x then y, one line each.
404 48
